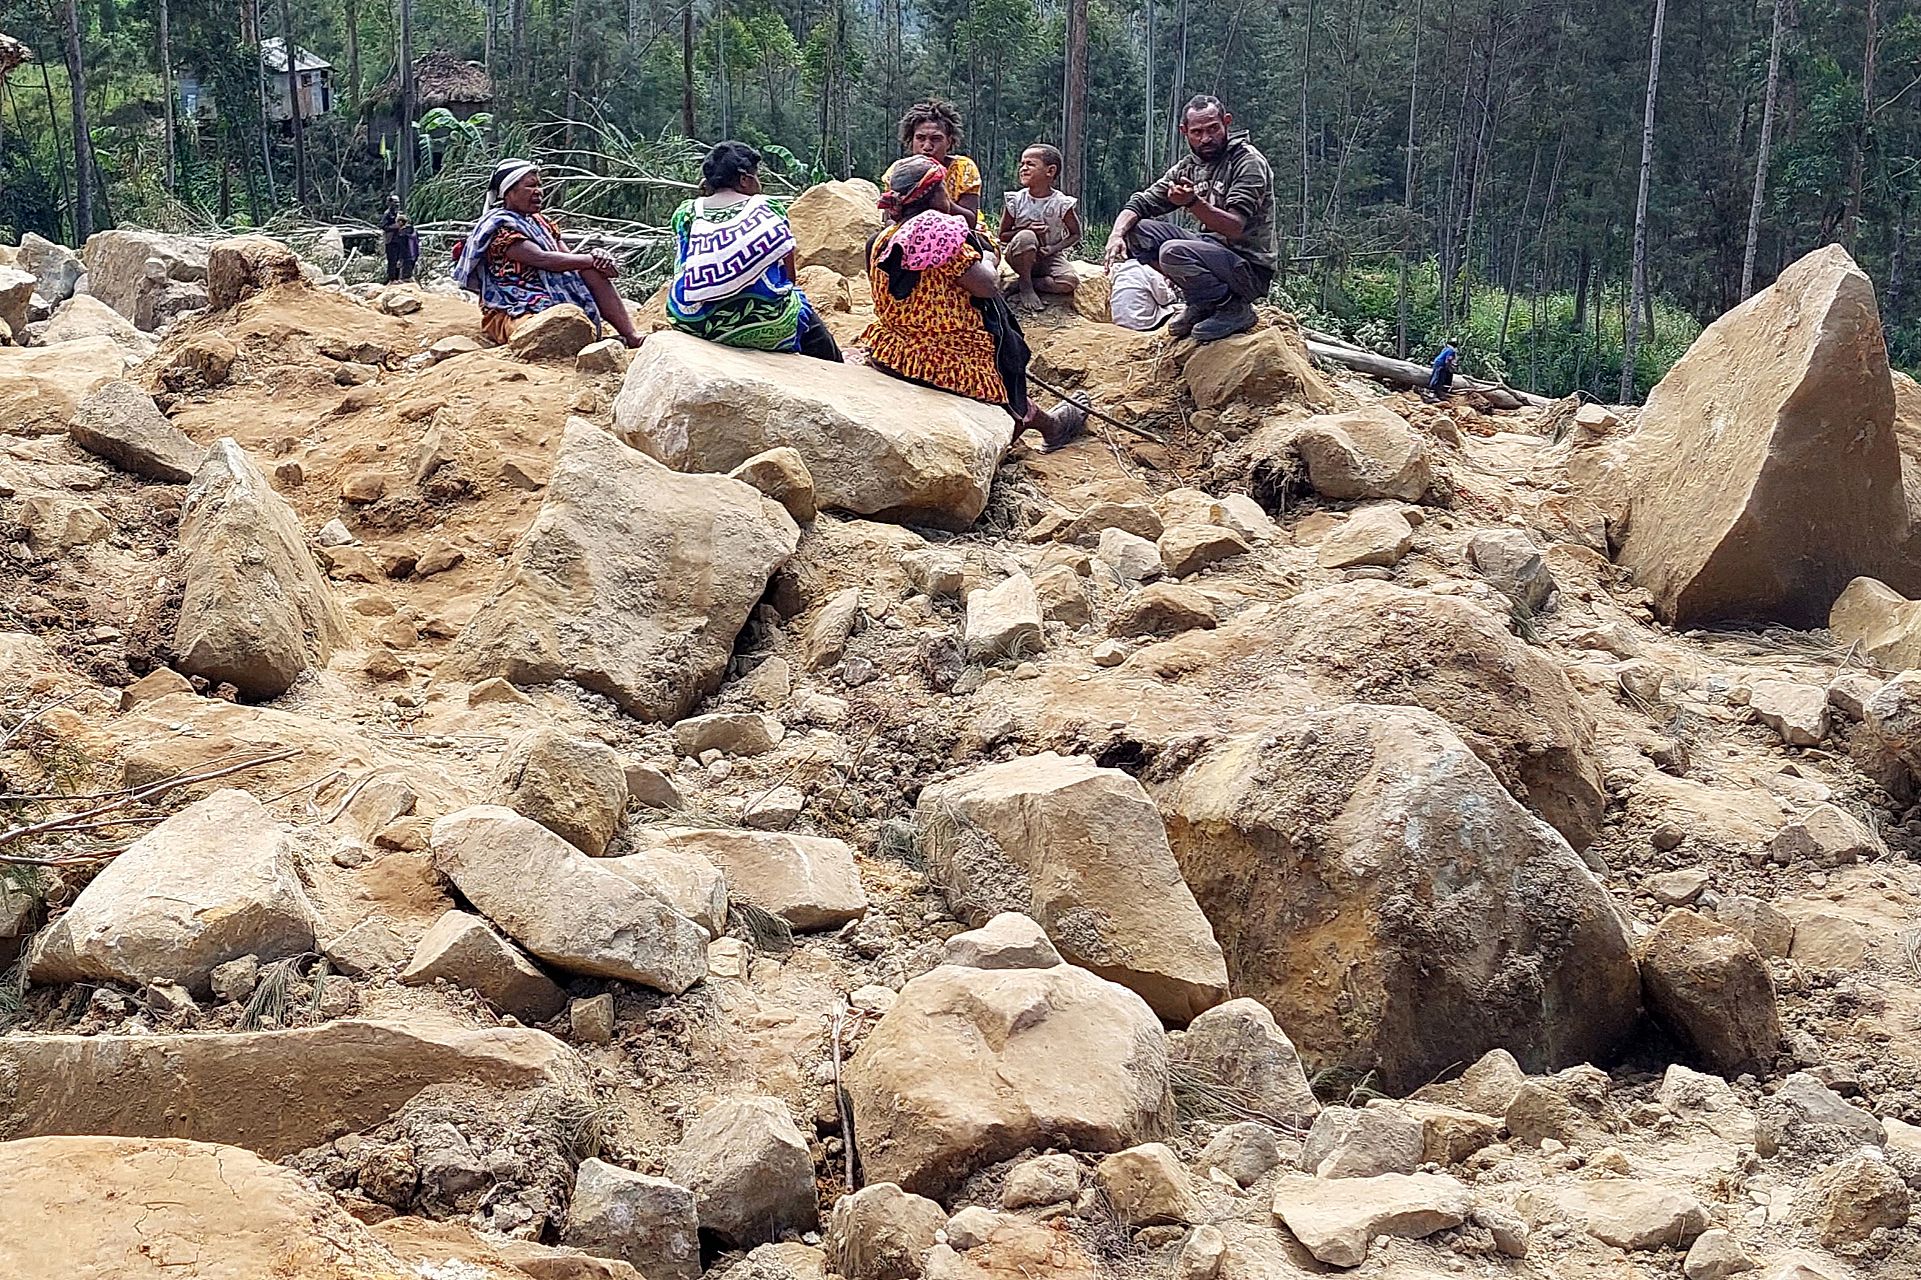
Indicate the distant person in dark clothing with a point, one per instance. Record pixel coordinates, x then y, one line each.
403 250
391 236
1442 378
1224 184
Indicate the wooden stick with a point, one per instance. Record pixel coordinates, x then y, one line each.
1092 412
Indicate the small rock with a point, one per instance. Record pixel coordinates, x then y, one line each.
1200 1258
775 809
1709 986
558 333
609 355
1146 1186
1003 622
881 1233
738 733
1349 1142
1188 548
1245 1152
574 787
1827 837
362 487
1851 1200
1336 1219
1716 1255
1042 1181
1678 888
1797 712
495 691
1133 558
591 1020
461 949
1110 653
647 1222
235 980
1163 609
782 475
1008 941
1378 535
651 787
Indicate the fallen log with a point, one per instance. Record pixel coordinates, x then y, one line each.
1410 376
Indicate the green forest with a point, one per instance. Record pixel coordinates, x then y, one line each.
1483 169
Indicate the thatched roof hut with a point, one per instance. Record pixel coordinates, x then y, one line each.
442 79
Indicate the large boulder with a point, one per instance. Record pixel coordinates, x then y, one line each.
1257 370
972 1066
84 316
461 949
1374 886
574 787
882 1233
833 222
1879 621
17 288
633 581
255 609
1239 1051
275 1092
120 423
216 881
568 909
748 1167
875 445
55 268
42 387
1707 984
1765 474
1365 453
1377 642
647 1222
241 266
1082 850
96 1209
811 882
147 276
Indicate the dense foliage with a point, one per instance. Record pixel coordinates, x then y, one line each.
1513 209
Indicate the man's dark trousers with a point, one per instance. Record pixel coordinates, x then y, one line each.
1208 273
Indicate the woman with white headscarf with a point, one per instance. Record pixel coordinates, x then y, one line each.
517 262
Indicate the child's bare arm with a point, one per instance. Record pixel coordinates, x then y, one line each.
1007 224
1072 224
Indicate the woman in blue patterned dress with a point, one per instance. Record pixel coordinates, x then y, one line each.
734 264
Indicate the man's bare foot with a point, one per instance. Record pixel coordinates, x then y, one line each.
1029 301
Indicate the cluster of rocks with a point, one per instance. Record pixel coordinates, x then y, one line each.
772 838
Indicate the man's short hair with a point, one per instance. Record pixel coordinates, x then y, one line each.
1203 103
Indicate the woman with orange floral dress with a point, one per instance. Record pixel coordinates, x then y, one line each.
940 318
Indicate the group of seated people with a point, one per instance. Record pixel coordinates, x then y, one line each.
942 316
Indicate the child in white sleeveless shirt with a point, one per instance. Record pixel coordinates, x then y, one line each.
1040 225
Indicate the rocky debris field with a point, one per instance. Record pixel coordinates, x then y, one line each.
481 814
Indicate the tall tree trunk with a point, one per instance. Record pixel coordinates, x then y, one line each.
82 138
1147 92
721 90
1851 225
301 193
407 105
1407 189
573 67
161 32
1761 157
1074 109
1631 322
350 11
1307 63
53 127
252 39
687 69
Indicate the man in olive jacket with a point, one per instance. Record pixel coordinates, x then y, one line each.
1224 184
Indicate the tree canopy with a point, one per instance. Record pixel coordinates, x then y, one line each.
1442 165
